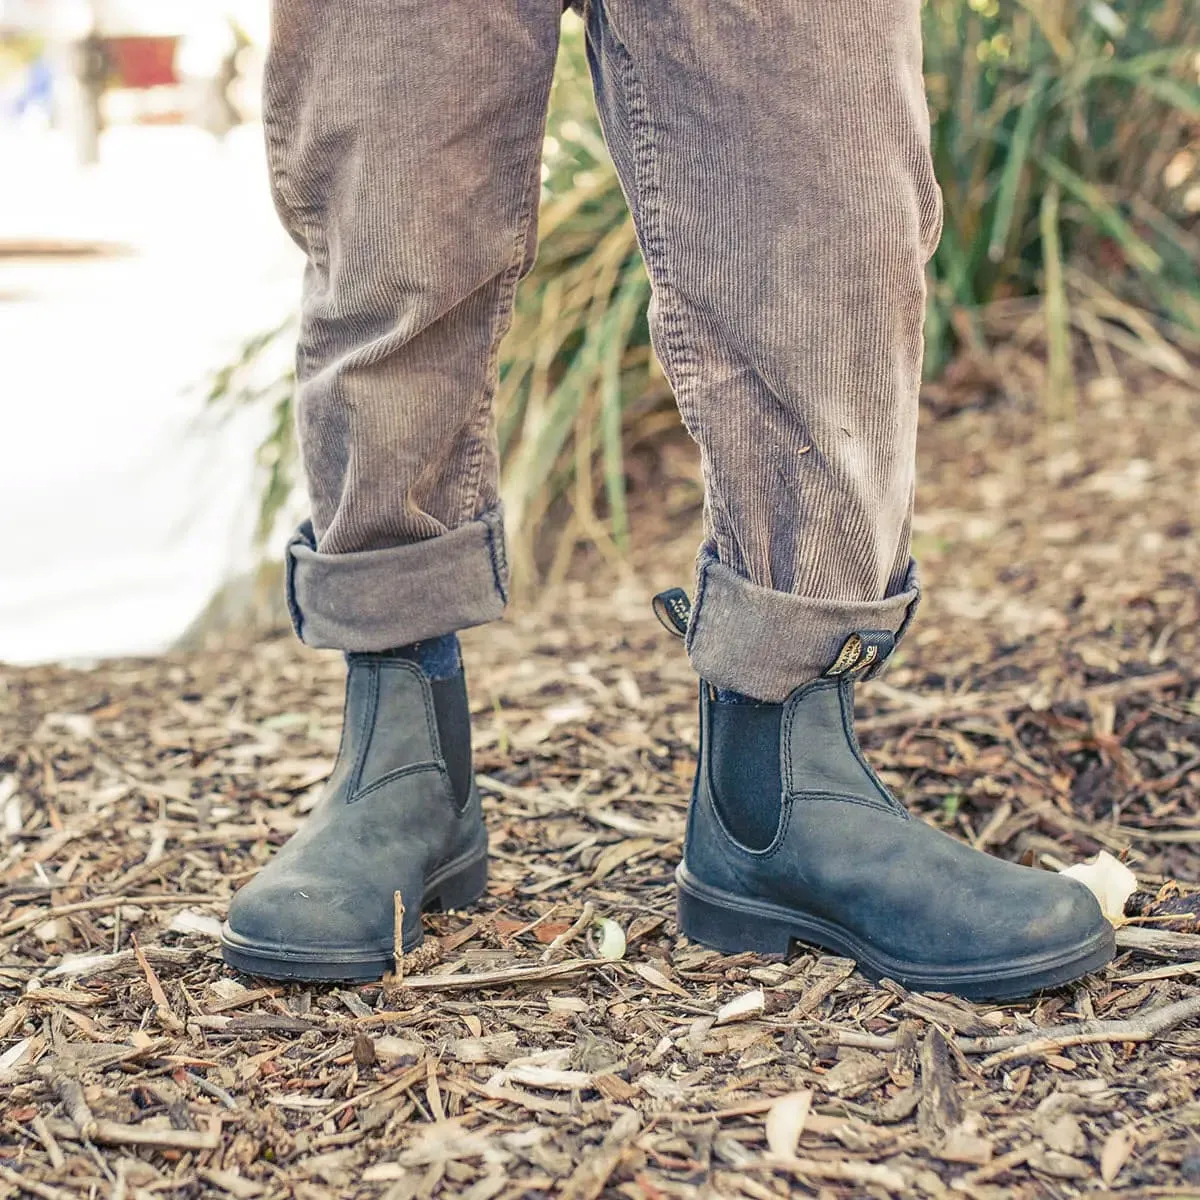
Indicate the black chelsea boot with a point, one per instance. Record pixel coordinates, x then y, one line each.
792 837
400 812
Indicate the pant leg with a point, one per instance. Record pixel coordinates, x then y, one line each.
776 158
404 140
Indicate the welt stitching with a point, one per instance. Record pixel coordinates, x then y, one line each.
789 722
846 700
842 798
398 773
366 727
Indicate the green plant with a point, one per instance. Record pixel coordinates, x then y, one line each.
1064 136
1059 131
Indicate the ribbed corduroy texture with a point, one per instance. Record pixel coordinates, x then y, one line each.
776 159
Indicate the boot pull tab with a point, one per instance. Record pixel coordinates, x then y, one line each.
863 653
674 611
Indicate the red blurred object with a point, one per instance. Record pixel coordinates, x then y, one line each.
142 62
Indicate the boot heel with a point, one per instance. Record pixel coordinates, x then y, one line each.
713 924
460 888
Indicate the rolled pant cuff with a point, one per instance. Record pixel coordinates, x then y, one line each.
763 643
377 599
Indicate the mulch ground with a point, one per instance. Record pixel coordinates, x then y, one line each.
1046 707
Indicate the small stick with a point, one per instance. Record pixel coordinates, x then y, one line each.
1082 1033
114 1133
398 936
1163 942
503 975
65 910
24 1184
1005 1047
162 1006
53 1149
564 939
76 1106
211 1089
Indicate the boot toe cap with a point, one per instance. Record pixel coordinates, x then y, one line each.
1066 915
309 915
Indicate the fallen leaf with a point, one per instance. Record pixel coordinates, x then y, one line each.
1110 881
618 854
785 1122
655 978
749 1004
187 921
14 1054
611 942
1118 1146
544 934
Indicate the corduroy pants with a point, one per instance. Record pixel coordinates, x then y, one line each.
775 156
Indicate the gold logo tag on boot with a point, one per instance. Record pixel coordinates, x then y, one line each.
861 652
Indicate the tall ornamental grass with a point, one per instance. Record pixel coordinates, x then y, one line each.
1066 135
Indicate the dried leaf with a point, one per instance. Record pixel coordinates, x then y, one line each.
611 942
1118 1146
14 1054
1110 881
655 978
742 1008
785 1122
187 921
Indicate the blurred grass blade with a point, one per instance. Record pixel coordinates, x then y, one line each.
1060 381
1016 163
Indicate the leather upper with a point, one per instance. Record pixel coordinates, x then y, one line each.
386 822
848 853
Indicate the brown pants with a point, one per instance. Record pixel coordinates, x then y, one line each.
775 155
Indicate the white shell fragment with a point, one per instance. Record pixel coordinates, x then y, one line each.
611 940
1110 881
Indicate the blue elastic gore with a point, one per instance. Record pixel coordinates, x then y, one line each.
440 657
725 696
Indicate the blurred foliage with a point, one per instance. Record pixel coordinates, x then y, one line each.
1065 140
1064 132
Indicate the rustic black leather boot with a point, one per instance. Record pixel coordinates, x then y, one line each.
400 813
792 836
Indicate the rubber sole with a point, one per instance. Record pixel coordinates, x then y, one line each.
458 884
735 924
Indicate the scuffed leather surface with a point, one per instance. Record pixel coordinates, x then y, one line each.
386 822
847 853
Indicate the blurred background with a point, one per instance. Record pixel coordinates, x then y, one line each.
147 293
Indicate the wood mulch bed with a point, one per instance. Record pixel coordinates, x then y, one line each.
1046 707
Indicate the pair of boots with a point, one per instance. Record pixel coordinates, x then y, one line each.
791 837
